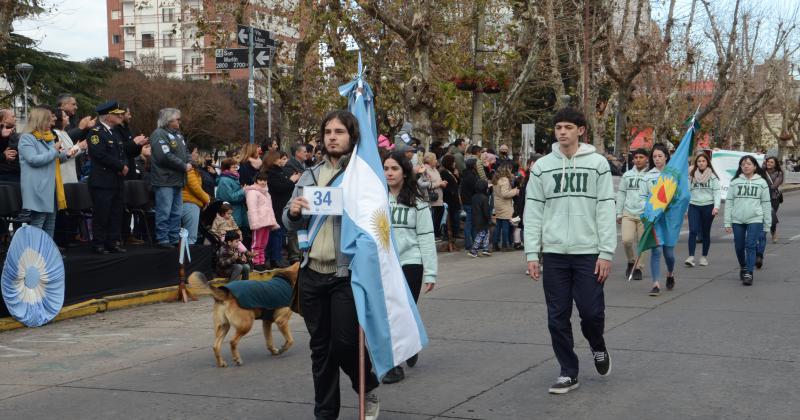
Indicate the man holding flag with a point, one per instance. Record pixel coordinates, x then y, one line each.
326 295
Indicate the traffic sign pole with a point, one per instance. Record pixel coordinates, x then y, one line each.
269 100
251 89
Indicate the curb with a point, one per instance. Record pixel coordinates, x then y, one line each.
123 301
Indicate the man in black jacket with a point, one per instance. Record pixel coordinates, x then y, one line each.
77 130
109 169
132 147
297 163
168 170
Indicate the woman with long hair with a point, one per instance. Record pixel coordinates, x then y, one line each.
774 172
450 195
249 163
412 228
40 155
748 213
703 206
435 185
280 187
504 194
659 157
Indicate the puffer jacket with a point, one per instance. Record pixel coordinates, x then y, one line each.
504 199
259 208
193 190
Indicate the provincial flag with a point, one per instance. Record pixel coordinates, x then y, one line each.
386 309
669 197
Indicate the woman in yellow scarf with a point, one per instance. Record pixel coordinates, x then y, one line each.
39 156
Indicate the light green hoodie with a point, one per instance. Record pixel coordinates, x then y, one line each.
705 193
413 234
748 202
569 207
628 198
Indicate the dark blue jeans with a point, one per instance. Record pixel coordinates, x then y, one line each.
567 278
502 233
745 240
277 239
469 232
700 220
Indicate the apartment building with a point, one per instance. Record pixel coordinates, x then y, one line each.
159 37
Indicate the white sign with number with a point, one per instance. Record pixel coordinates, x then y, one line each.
324 200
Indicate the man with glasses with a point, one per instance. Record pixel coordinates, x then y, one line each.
168 175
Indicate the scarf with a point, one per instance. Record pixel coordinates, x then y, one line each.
702 177
231 174
61 198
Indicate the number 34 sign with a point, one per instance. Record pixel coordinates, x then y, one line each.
323 200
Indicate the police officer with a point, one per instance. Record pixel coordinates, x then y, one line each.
109 168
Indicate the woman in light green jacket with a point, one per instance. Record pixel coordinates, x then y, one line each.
748 213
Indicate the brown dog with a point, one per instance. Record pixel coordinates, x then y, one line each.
228 312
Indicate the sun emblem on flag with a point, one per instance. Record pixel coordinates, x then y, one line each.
661 194
381 227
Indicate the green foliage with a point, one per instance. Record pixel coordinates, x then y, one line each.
53 75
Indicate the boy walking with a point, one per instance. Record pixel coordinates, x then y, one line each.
569 215
630 207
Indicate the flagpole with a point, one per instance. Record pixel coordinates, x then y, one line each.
362 382
635 264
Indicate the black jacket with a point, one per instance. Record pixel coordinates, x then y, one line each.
9 170
108 158
450 192
480 207
280 188
468 180
130 148
294 165
209 182
247 173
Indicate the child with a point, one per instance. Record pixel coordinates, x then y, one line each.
231 262
480 219
261 217
748 212
224 223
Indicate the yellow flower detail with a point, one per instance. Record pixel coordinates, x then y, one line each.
661 194
382 228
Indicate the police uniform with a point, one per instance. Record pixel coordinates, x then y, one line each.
106 182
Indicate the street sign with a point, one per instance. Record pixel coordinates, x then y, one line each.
236 58
261 38
251 90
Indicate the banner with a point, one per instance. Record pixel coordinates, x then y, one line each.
726 162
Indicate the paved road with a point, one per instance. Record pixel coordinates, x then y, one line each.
710 349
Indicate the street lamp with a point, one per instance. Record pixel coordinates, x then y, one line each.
24 71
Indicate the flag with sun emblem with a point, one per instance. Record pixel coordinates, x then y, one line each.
668 199
386 309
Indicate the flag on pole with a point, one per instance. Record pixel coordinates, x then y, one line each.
669 197
386 309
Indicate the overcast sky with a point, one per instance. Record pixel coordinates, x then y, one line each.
78 27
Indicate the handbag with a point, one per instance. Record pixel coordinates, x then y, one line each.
780 196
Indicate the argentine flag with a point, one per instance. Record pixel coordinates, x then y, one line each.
386 309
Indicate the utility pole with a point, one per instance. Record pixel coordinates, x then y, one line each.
251 88
586 75
477 97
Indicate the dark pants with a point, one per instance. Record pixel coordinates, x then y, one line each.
437 212
106 215
330 315
700 220
413 274
469 232
277 240
567 278
745 241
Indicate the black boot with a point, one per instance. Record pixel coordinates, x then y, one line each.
628 270
394 375
412 361
637 274
759 260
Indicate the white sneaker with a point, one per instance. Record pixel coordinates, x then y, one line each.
689 262
373 406
703 261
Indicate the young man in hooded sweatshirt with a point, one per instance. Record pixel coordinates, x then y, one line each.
570 216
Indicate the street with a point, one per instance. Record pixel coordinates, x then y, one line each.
710 349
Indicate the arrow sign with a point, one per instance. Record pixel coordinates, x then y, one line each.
236 58
261 38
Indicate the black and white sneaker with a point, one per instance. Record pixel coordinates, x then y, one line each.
602 361
748 279
742 272
637 273
655 291
563 385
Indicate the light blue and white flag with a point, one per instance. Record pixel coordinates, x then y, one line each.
386 308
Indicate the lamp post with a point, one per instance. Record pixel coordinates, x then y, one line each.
24 71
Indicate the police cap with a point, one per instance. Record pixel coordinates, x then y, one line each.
109 107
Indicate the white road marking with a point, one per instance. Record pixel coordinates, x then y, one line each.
794 238
6 351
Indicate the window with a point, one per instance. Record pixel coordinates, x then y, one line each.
197 61
130 31
115 39
114 14
148 40
167 39
168 15
170 63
